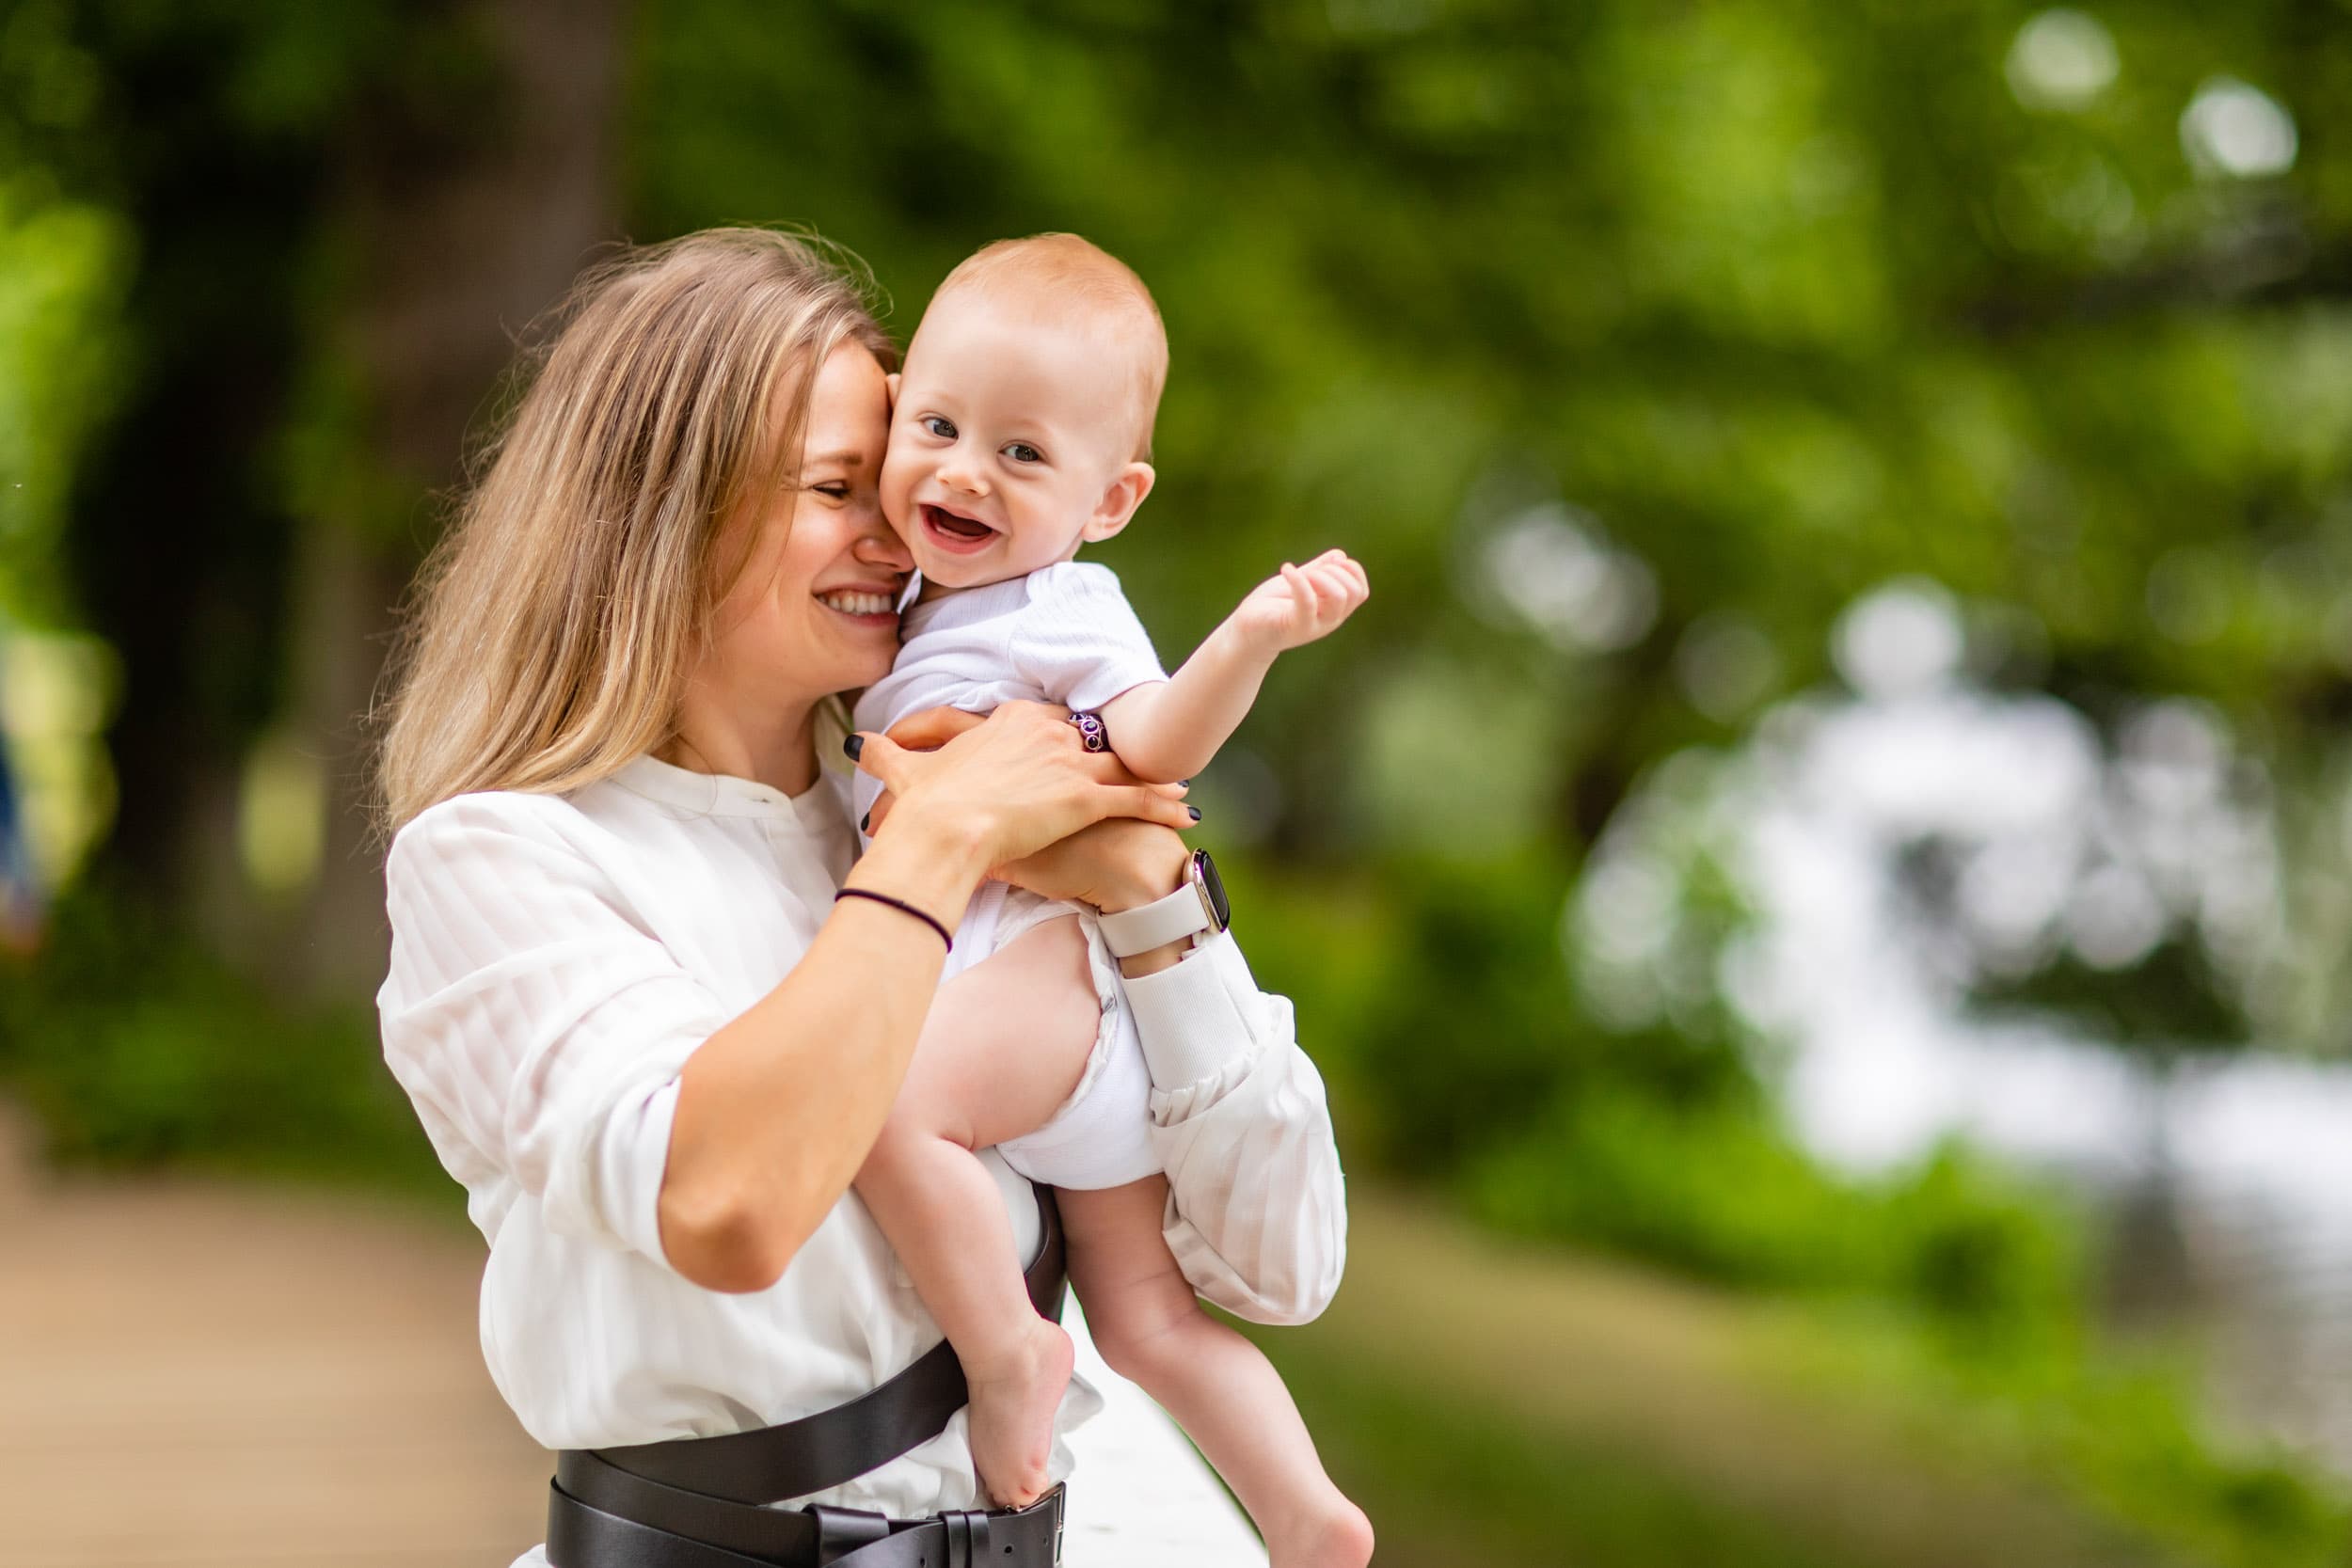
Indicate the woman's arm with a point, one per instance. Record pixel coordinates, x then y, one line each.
755 1157
1257 1212
546 1031
1257 1205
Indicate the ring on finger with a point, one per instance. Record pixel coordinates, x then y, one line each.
1091 731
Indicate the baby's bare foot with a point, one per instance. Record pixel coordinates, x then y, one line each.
1013 1401
1334 1534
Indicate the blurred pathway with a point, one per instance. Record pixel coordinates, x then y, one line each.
195 1372
201 1374
232 1376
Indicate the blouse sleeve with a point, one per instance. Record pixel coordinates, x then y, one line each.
1078 640
1257 1210
535 1019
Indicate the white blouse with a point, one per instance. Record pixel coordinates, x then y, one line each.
555 960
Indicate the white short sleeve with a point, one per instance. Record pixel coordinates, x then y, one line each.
1077 640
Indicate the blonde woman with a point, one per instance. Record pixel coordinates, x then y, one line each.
652 1006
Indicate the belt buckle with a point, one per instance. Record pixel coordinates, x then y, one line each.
843 1530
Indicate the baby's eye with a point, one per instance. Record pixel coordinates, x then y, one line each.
939 425
1021 451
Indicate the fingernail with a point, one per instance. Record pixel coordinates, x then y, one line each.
853 745
865 823
1196 812
1186 782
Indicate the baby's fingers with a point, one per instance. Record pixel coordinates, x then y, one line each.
933 728
1105 768
1338 589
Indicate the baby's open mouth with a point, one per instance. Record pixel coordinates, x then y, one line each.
953 531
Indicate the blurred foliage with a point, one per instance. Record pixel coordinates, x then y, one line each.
1627 345
2120 1430
133 1046
1658 1143
1724 1194
61 265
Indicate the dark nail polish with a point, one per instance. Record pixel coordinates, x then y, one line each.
865 823
1186 782
853 745
1196 812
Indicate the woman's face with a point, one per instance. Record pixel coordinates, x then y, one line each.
814 609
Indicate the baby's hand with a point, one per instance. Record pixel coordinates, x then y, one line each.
1303 603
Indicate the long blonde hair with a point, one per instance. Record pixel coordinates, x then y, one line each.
555 625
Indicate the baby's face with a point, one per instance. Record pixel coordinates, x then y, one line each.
1005 439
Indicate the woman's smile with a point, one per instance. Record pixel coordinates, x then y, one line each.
866 604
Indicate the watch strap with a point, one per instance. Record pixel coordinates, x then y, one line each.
1183 914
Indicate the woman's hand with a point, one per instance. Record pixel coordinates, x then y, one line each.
1021 780
1118 864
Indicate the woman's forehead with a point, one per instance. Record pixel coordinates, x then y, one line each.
848 410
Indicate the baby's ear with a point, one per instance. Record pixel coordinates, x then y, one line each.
893 379
1120 497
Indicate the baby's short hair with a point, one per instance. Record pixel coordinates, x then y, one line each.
1056 275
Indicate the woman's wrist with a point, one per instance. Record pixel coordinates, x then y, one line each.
1133 893
1132 887
930 859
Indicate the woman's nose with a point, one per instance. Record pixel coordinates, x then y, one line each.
881 546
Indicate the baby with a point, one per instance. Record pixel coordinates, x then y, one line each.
1020 431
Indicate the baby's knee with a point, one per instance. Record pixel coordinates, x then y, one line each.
906 1136
1139 1347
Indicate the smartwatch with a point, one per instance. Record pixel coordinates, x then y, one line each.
1197 910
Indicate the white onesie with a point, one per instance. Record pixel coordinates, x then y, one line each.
1063 634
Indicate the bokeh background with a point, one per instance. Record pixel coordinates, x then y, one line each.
1818 879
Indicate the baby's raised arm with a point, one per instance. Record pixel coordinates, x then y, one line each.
1169 730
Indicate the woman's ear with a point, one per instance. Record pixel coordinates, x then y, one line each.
1120 497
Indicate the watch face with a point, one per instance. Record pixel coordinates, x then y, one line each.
1213 888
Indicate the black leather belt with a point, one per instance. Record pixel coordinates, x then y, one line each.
695 1502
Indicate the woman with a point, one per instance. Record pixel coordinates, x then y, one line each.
648 1009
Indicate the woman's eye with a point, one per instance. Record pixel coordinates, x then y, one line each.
1021 451
939 425
838 491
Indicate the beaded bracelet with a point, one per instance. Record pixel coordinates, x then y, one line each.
898 903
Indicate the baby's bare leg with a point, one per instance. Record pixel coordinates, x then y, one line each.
1227 1396
1002 1047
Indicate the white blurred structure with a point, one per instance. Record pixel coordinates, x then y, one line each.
2055 842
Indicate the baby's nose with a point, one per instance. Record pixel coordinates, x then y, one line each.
960 473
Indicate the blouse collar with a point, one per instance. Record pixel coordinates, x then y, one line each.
815 808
